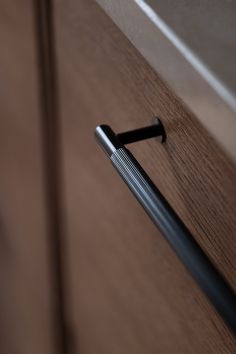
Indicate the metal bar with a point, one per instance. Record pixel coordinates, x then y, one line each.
144 133
213 284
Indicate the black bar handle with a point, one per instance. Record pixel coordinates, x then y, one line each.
212 283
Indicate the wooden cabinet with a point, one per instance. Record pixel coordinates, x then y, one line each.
128 291
26 299
125 290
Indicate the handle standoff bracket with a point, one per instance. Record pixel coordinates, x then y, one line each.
111 141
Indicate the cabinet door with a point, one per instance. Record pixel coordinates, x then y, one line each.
25 306
128 291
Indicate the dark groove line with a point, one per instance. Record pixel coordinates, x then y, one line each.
50 130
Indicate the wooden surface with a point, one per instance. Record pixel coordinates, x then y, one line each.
187 48
128 291
25 300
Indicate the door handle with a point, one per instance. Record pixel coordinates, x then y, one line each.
212 283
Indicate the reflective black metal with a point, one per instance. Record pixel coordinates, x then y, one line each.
179 237
151 131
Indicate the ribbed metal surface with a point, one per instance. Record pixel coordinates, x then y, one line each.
196 261
139 183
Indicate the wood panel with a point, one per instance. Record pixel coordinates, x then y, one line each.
25 306
129 292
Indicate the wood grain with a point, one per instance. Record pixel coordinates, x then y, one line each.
25 305
184 46
129 292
